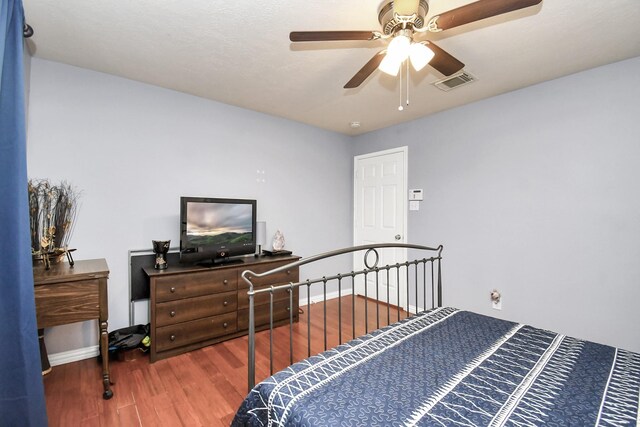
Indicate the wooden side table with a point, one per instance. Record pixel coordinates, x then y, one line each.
67 294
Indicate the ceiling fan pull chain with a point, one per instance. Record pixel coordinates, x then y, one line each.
400 107
407 61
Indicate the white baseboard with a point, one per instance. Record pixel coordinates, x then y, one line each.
320 298
64 357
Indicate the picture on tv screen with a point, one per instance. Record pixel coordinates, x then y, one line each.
210 224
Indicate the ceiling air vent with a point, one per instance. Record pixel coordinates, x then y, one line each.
453 82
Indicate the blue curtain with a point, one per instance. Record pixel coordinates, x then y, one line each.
21 388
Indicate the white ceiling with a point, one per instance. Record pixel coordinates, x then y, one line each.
238 52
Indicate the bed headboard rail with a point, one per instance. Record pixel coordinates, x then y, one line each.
411 270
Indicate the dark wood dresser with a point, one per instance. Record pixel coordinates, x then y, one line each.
67 294
193 306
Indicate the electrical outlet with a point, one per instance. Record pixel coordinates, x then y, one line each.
496 299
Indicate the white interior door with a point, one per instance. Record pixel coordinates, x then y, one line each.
380 216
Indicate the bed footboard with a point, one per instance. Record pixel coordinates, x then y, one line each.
419 278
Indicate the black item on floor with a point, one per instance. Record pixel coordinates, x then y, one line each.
129 338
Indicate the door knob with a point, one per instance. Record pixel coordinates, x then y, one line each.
398 237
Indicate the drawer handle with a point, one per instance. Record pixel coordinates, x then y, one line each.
288 272
288 309
172 337
225 324
226 303
225 282
172 314
173 290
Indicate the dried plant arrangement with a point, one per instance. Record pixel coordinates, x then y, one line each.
52 212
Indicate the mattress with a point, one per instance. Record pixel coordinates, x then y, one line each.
447 367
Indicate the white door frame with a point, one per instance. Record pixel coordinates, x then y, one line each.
403 201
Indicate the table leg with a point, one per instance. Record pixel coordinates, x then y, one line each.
104 352
44 357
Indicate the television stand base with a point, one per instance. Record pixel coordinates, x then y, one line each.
210 263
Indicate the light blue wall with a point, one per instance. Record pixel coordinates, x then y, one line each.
536 193
134 149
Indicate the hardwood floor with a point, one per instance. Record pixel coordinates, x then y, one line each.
201 388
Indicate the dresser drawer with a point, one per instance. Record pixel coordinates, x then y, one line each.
280 312
287 276
176 287
183 310
168 337
259 299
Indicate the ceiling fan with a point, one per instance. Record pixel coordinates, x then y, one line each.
401 21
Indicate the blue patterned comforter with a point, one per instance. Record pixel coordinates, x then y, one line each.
446 367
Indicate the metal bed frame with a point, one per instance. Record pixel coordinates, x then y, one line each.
409 267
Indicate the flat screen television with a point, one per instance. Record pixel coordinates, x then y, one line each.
215 231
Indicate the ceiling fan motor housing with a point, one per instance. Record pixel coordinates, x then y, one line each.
390 23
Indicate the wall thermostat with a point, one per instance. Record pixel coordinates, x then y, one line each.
415 194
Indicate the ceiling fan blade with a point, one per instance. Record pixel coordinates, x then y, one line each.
476 11
443 61
366 71
318 36
406 7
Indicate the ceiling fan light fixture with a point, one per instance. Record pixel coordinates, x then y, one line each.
399 47
390 65
420 55
397 52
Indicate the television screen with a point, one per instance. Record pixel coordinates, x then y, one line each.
213 230
210 224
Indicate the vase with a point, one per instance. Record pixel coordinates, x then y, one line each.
160 248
